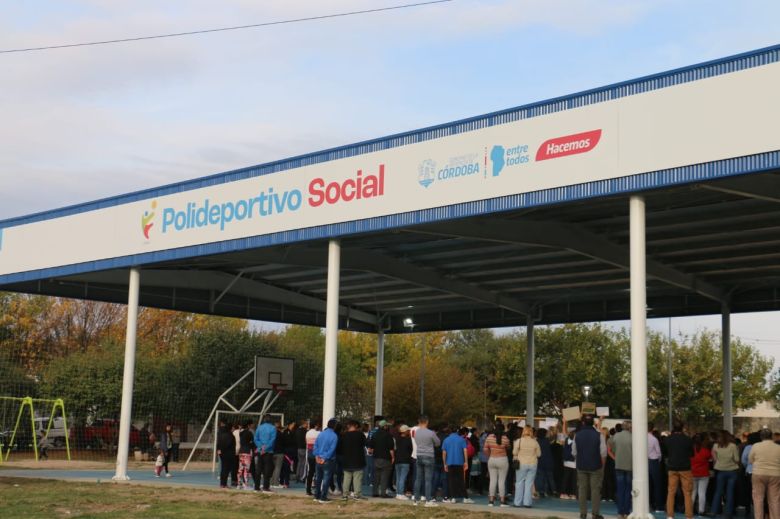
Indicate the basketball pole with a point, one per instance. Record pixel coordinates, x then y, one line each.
211 415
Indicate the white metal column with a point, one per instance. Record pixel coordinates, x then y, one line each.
725 320
331 331
128 375
530 355
380 372
640 490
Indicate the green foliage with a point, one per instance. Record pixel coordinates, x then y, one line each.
567 357
90 382
75 350
697 386
451 396
774 389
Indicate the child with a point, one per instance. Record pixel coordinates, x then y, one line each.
44 448
158 464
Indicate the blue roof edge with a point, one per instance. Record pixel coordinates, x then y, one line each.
349 150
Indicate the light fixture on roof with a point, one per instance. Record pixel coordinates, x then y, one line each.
409 322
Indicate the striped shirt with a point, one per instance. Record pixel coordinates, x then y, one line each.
494 449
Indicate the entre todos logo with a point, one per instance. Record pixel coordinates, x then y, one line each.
502 157
146 220
266 203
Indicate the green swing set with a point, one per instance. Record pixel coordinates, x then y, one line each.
29 403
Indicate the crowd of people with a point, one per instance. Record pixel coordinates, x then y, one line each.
706 474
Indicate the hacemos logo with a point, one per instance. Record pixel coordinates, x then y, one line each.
146 220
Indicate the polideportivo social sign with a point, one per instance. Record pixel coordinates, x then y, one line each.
721 117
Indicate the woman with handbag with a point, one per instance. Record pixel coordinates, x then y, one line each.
496 447
525 453
726 458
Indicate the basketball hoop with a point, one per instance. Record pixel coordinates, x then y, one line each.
279 389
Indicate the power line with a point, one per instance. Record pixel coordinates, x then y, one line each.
222 29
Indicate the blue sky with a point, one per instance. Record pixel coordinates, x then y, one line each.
85 123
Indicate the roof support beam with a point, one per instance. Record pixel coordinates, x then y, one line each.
365 260
760 187
569 237
218 281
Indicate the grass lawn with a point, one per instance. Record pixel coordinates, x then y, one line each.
28 498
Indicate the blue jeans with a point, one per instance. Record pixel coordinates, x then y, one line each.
524 481
623 491
401 472
324 473
727 479
424 472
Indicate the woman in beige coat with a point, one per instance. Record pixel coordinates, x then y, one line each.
525 450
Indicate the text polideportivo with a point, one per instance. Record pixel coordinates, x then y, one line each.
269 202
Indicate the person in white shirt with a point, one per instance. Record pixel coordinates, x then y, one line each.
311 461
654 468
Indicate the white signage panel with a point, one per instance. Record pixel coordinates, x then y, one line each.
721 117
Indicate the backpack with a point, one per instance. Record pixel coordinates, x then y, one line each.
470 450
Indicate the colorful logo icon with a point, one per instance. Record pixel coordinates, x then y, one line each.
146 220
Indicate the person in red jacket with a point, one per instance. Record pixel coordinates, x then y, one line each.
700 469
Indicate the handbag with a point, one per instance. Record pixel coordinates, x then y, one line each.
516 465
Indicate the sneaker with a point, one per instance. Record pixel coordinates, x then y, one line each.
468 501
504 505
157 475
168 474
336 492
323 501
490 503
431 504
357 498
448 501
401 497
422 498
277 486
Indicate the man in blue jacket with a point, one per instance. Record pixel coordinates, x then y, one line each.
325 456
265 438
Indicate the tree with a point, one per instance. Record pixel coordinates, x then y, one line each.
567 358
774 389
451 395
697 386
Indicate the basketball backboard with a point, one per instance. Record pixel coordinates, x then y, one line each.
274 373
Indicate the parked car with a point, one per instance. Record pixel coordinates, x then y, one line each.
105 431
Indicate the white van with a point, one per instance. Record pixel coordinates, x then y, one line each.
56 433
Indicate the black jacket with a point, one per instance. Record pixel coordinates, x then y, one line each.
226 442
383 444
352 444
679 449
